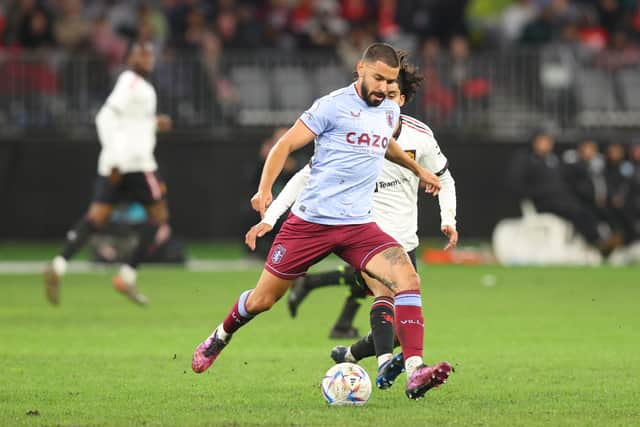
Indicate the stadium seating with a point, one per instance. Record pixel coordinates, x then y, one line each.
629 81
595 91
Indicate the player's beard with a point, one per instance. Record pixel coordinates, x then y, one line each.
366 95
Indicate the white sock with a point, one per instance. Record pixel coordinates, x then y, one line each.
59 265
411 364
222 334
383 358
349 357
128 274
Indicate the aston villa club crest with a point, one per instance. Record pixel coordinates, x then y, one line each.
278 254
390 118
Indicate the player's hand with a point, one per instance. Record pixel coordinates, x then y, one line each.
452 234
164 123
261 201
115 176
254 232
432 182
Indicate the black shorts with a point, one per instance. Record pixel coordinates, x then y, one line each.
142 187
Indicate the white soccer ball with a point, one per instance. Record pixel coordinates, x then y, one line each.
346 384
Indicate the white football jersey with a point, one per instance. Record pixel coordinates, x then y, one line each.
395 201
127 126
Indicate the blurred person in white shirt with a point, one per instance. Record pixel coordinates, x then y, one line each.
127 172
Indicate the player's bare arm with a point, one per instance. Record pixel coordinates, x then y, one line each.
396 154
258 230
163 123
452 234
296 137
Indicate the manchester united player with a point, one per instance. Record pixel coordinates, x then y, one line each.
127 171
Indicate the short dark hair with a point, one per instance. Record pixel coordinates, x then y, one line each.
382 52
409 77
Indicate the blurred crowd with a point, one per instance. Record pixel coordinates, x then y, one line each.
444 34
345 26
596 187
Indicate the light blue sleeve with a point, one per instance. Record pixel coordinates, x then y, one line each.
320 117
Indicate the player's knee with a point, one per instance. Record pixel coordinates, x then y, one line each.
257 303
98 221
382 291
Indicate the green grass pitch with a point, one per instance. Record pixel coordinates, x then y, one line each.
555 346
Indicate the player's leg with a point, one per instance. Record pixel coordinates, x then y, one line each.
392 368
267 292
298 245
343 275
148 189
93 220
343 328
381 339
393 268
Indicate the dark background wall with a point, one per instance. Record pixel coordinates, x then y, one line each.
46 184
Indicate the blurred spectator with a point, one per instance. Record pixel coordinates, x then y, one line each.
275 17
350 48
620 52
536 174
540 30
249 29
387 26
356 11
30 25
466 77
618 174
122 17
176 12
515 18
591 34
107 43
437 99
584 172
226 26
447 19
3 25
71 29
195 30
152 26
610 15
326 26
633 201
217 83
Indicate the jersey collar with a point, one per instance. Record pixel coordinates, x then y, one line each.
360 100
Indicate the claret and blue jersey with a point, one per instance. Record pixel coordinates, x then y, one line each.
351 140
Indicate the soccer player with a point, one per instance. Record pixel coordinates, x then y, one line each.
353 129
395 211
127 171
